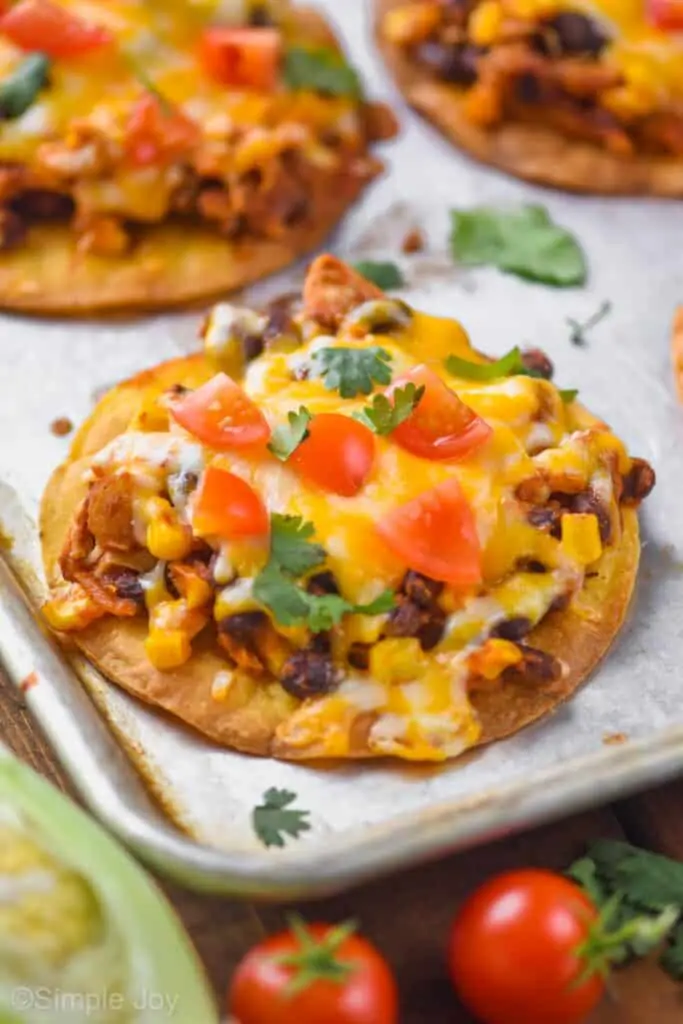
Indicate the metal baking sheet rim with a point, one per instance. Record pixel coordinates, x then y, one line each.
114 791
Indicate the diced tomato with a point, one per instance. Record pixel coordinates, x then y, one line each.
436 534
156 135
48 27
221 415
442 427
666 14
226 506
246 58
337 455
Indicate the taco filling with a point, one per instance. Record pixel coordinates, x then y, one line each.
238 116
341 531
609 73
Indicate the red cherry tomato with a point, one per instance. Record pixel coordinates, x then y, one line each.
226 506
436 534
666 14
245 58
337 455
156 134
441 427
50 28
221 415
514 951
343 979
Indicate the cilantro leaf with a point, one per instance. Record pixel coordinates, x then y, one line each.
352 371
290 546
287 437
327 610
524 242
278 592
321 70
385 274
385 414
20 88
509 365
568 394
274 818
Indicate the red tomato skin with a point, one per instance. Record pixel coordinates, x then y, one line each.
512 950
226 506
156 136
43 25
442 427
436 534
337 456
221 415
666 15
369 996
241 57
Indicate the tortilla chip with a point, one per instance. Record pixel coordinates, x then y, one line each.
534 152
677 351
332 288
247 715
174 263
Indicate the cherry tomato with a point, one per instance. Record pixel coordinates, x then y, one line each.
241 57
666 14
441 426
226 506
314 974
156 134
436 534
48 27
220 414
514 951
337 455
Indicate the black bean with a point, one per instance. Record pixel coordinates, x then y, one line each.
358 655
638 482
12 229
588 502
252 346
126 583
453 63
260 16
577 33
243 626
512 629
530 565
41 204
537 362
322 583
545 517
536 667
420 589
431 630
406 619
309 674
528 88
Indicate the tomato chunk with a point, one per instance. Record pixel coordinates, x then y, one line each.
337 455
221 415
45 26
156 134
246 58
666 14
441 427
226 506
436 534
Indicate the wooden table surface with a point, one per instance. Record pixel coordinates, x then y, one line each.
408 915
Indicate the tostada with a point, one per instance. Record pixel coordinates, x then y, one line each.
158 153
584 95
340 531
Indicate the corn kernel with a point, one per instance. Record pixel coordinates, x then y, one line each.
411 23
581 537
493 658
169 649
168 541
485 23
398 660
191 586
70 613
628 101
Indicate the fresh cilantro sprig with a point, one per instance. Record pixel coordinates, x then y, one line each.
385 414
509 365
640 887
578 330
524 242
352 371
275 818
291 555
286 438
384 273
321 70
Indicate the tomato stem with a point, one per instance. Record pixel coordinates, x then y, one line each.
637 936
316 959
